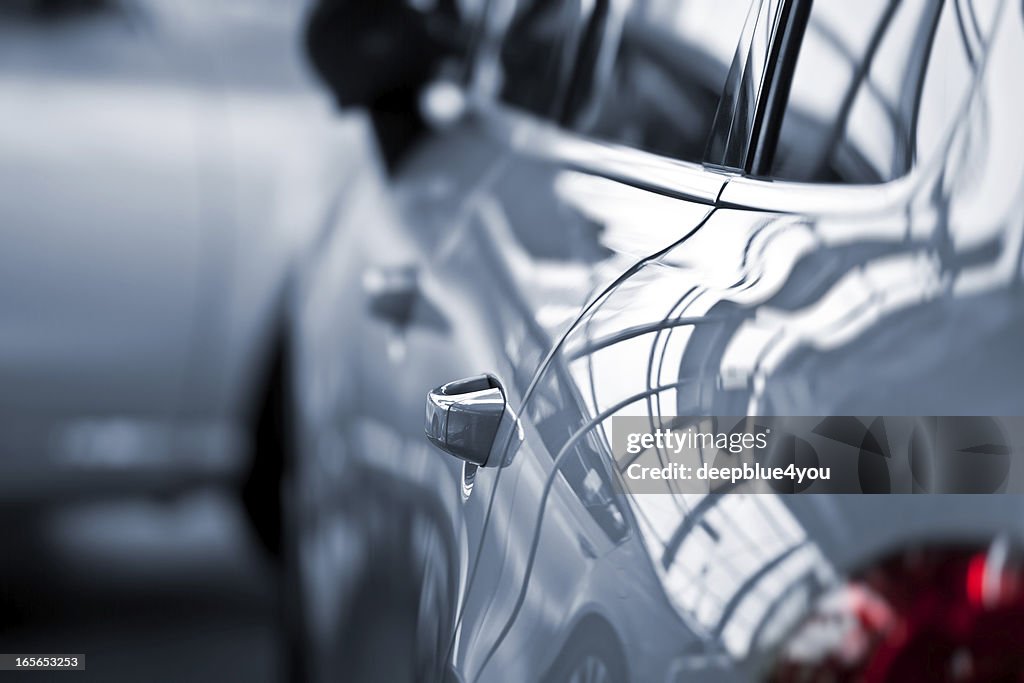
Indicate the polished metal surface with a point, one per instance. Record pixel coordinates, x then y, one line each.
600 280
463 418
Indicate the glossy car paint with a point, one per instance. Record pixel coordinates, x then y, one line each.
593 287
867 312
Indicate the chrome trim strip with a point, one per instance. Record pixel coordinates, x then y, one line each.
822 200
537 138
816 199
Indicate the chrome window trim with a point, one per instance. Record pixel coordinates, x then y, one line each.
539 138
818 199
733 129
706 184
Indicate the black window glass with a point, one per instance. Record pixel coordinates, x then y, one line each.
876 84
651 76
536 52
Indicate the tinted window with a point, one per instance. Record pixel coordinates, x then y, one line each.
876 83
651 76
536 52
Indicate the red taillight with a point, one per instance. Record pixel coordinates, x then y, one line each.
934 615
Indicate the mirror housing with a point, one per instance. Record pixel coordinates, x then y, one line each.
466 417
405 45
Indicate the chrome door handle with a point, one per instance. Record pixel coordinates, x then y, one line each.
470 418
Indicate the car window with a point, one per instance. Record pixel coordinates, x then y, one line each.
657 76
875 86
529 69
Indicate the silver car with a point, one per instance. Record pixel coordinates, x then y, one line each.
163 165
658 209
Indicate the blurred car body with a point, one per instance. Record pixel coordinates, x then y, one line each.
692 208
163 167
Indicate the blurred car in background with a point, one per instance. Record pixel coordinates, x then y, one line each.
164 166
659 209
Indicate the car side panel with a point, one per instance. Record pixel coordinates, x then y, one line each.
907 310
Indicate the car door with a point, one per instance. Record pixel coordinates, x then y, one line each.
566 216
559 518
468 261
101 242
711 327
488 245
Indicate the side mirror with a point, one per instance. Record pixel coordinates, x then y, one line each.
404 44
467 417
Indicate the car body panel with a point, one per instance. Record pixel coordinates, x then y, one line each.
497 282
765 313
593 281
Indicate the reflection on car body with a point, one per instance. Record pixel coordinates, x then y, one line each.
853 249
